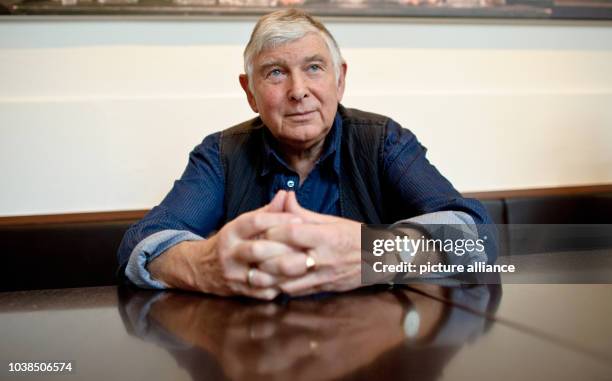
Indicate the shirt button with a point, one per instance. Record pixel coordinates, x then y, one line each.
290 183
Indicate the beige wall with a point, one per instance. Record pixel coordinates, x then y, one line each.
100 115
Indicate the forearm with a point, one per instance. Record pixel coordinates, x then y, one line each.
167 267
190 265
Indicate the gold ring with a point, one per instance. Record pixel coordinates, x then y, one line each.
250 275
310 261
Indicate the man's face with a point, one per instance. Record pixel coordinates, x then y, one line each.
295 91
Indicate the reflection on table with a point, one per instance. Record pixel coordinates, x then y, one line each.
366 334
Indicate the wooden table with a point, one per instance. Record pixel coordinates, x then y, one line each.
488 332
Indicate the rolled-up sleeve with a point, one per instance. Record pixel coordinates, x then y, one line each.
150 248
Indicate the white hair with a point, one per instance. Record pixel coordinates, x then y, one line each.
284 26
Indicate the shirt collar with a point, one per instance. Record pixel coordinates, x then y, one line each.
330 150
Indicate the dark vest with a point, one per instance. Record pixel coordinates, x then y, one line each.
361 163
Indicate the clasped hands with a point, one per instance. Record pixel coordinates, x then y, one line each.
265 252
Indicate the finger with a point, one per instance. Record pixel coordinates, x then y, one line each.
262 293
267 293
298 286
291 265
319 283
260 279
308 291
250 224
277 204
306 236
256 251
292 206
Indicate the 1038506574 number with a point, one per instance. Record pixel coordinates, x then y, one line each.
35 367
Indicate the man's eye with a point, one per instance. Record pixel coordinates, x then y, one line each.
314 67
275 73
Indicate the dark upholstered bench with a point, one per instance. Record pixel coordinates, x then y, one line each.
81 254
60 255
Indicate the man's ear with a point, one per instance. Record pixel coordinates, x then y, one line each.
244 82
342 81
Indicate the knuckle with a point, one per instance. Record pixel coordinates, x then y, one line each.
255 248
258 221
286 267
229 275
244 217
293 232
224 255
247 249
267 280
271 267
234 227
223 238
226 276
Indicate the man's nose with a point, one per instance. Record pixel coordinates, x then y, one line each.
298 89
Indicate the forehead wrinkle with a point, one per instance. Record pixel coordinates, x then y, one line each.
315 57
273 62
284 63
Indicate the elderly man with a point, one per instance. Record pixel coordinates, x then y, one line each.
275 204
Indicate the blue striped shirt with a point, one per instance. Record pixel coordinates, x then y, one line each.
193 208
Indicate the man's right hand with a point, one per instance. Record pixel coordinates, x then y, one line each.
220 264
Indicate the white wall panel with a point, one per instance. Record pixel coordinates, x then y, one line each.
101 115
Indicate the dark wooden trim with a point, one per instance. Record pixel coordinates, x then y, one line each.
540 192
124 215
128 215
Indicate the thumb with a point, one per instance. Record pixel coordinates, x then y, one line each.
277 203
292 206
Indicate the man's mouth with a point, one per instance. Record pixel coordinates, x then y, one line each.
300 115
